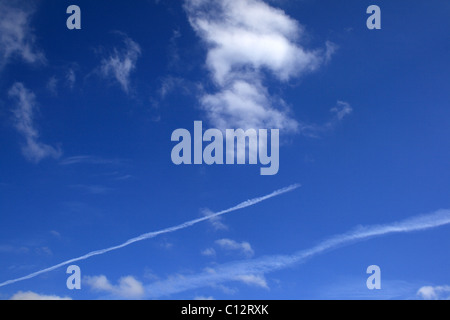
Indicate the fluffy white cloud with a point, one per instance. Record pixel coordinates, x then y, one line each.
248 105
246 40
127 287
121 63
243 247
33 150
250 34
29 295
16 36
434 293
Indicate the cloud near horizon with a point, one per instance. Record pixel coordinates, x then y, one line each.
434 293
127 287
29 295
252 271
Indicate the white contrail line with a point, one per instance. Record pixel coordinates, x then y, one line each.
232 271
153 234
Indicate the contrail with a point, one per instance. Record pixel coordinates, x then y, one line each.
258 267
154 234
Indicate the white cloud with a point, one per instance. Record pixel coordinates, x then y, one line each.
16 36
71 78
340 111
246 40
29 295
55 233
250 33
92 189
259 267
52 85
254 280
5 248
215 221
209 252
46 251
247 105
99 283
200 298
150 235
121 63
242 247
89 160
170 84
127 287
434 293
43 251
174 54
33 150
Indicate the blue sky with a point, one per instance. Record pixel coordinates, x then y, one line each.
86 118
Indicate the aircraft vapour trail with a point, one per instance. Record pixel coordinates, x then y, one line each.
154 234
258 267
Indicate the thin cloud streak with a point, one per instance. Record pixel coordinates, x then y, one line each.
88 160
25 100
258 267
154 234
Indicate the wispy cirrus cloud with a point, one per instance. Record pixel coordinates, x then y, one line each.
29 249
253 280
216 222
231 245
71 78
121 63
352 288
154 234
209 252
246 41
52 85
257 268
62 80
86 159
92 189
339 112
24 110
6 248
16 35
